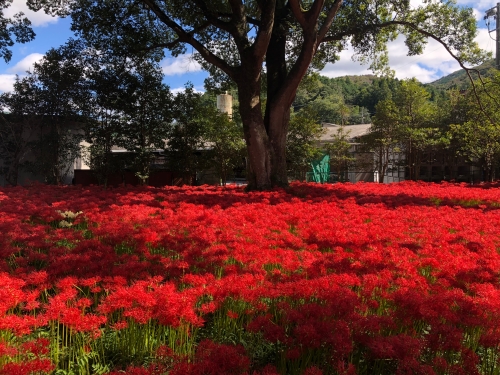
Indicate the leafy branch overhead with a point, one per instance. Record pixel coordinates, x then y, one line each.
16 29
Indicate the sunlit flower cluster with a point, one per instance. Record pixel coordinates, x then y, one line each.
315 279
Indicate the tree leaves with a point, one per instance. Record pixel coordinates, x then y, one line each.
16 29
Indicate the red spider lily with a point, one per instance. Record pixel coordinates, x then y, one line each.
7 350
217 359
39 347
36 366
396 272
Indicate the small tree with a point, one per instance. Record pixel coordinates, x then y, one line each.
338 149
416 115
384 136
147 114
225 139
187 139
104 111
302 145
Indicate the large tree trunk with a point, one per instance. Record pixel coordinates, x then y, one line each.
256 137
277 116
266 135
278 129
266 142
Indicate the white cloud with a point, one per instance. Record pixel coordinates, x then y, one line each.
7 82
182 89
427 67
478 14
345 66
180 65
37 18
434 63
486 41
26 63
482 5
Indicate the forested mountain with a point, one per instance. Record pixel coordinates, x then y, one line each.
344 100
459 79
352 99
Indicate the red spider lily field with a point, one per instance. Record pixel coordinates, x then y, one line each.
315 279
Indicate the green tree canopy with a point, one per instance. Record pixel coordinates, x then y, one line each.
13 30
224 140
477 130
187 137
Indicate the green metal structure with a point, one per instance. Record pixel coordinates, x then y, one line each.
320 170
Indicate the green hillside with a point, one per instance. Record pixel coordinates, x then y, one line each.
362 93
459 79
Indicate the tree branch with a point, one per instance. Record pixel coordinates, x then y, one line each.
456 58
175 42
298 13
187 37
211 17
313 13
238 12
329 20
265 30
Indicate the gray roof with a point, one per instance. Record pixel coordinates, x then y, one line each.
354 131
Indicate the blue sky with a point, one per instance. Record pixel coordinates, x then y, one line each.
53 32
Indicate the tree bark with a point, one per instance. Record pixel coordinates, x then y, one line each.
256 137
277 116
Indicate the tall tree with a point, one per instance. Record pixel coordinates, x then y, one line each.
18 124
477 130
234 39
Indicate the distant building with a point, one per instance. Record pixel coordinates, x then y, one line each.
37 138
362 168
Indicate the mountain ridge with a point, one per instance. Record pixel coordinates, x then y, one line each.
459 79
